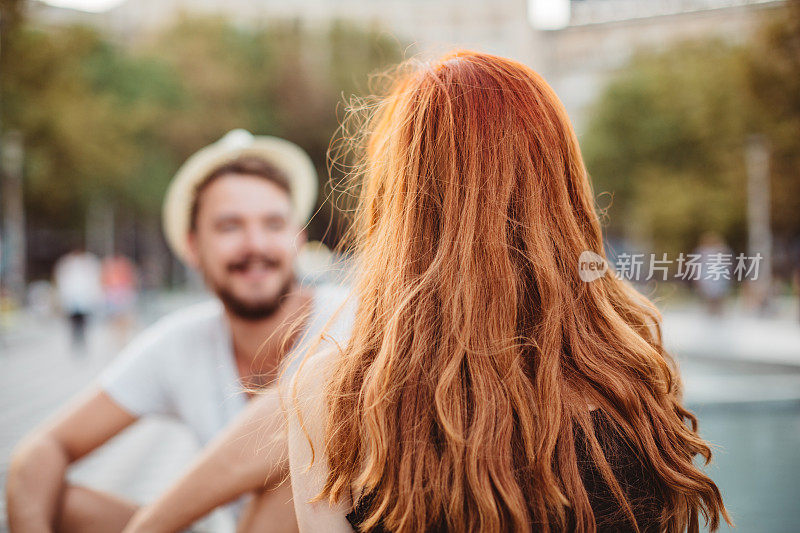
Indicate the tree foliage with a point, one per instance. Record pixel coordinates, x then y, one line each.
104 121
667 137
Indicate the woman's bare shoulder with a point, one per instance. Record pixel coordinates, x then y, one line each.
312 372
302 392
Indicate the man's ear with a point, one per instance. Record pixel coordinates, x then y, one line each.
192 254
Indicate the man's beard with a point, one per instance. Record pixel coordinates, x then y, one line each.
258 310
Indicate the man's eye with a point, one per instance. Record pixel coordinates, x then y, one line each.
275 224
227 226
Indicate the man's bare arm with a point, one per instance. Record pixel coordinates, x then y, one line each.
250 454
38 464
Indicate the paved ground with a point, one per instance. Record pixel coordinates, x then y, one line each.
737 357
729 366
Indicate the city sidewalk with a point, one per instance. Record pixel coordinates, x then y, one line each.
736 358
733 336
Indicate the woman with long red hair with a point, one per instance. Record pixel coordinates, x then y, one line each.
486 386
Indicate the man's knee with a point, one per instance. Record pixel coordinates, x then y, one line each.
85 509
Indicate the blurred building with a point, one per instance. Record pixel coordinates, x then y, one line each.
600 35
603 34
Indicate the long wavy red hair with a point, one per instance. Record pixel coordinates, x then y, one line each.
477 350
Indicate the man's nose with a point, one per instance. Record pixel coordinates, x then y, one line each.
256 238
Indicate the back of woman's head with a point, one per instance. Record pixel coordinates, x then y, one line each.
477 349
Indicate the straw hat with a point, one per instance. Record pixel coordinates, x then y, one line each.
287 157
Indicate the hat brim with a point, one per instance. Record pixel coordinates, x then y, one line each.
286 156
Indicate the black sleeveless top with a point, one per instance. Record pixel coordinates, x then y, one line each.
641 486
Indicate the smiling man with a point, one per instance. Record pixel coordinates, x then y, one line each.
235 211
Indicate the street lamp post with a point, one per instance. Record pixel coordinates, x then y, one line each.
759 235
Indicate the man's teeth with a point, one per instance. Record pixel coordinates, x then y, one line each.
261 267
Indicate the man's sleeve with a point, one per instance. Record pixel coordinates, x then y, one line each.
136 378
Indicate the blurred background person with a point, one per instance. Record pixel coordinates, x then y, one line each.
716 267
80 293
120 279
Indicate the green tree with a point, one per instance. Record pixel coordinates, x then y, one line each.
109 122
667 137
666 140
71 133
773 78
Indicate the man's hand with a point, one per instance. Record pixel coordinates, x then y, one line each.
35 485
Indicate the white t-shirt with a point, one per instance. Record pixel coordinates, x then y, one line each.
183 366
77 277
